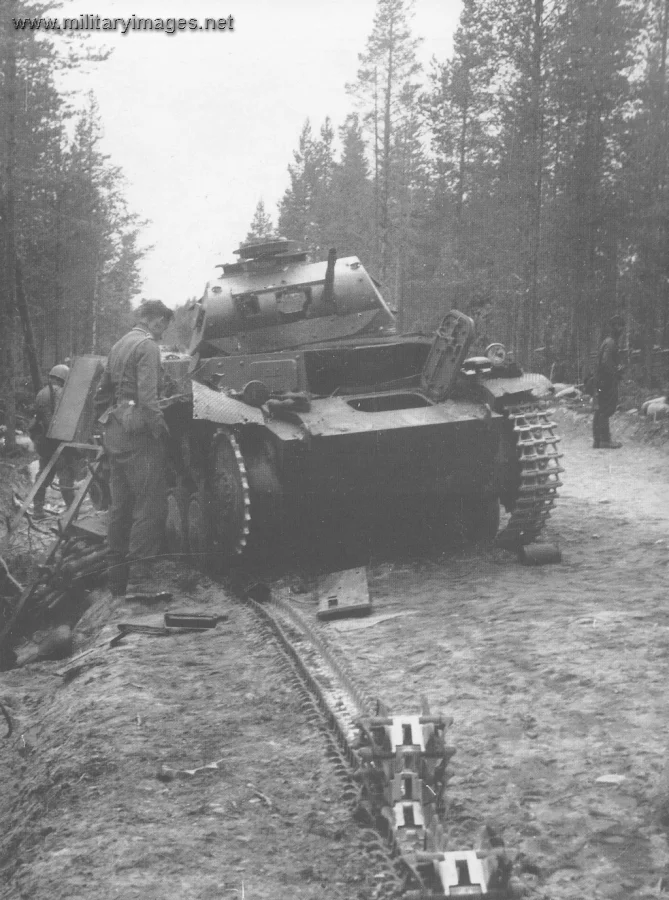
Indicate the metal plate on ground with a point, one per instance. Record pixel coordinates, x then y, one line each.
343 594
91 525
74 418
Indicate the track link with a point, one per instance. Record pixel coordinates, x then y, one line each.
539 473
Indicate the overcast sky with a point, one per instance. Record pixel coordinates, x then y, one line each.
204 124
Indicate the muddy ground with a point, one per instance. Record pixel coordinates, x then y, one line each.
555 677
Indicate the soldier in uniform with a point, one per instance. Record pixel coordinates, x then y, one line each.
134 439
607 377
45 405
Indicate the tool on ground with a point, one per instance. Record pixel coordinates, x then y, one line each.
133 628
149 598
160 630
193 621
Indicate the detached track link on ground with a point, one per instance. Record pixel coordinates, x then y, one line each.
336 727
538 458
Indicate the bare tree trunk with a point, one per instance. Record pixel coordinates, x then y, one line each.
8 233
385 200
95 306
377 227
533 294
28 336
464 126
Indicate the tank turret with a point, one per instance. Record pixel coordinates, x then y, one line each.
274 298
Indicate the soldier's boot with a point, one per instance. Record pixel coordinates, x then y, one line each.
68 495
117 576
142 582
596 430
606 443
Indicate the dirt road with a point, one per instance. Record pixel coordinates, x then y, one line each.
555 678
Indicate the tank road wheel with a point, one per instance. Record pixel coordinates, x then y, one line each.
219 509
230 497
200 531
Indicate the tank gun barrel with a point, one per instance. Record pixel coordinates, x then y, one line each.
328 283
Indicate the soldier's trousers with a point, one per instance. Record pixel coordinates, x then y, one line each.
138 502
64 468
601 432
606 403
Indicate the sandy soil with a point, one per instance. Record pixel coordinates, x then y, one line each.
555 677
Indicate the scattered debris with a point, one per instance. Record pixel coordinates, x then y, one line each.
75 664
567 392
10 726
373 620
539 554
658 408
149 598
264 799
9 586
55 644
193 621
610 779
166 773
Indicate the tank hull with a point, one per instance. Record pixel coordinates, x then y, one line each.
309 416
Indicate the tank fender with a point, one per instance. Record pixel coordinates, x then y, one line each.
216 406
530 386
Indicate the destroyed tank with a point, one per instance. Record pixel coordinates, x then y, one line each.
304 414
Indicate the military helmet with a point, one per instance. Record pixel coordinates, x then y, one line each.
60 371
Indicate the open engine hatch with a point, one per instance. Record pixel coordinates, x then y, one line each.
388 402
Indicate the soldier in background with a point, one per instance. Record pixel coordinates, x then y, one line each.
45 405
607 378
134 439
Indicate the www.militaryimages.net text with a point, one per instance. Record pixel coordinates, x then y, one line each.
125 25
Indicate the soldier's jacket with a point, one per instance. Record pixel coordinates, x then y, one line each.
129 392
607 376
45 405
607 364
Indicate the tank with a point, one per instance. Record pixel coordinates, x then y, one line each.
304 419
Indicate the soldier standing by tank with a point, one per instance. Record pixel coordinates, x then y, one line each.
134 439
45 405
607 377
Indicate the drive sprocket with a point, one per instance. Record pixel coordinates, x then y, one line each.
539 472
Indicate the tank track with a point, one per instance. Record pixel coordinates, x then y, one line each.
245 530
388 764
539 473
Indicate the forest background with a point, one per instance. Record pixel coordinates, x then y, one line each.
523 180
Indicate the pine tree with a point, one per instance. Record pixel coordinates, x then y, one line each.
350 225
99 241
645 281
304 208
386 88
261 224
